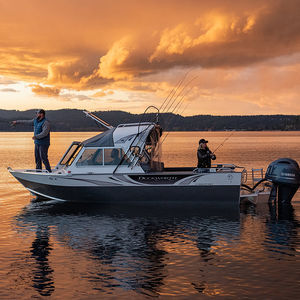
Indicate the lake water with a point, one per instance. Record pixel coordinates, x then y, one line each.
61 251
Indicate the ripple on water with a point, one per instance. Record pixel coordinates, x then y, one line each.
62 250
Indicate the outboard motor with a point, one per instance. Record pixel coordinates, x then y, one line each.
284 173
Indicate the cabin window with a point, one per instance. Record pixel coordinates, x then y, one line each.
103 156
71 154
113 156
91 157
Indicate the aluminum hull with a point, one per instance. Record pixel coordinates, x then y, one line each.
140 188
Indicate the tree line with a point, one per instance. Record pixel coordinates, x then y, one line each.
75 120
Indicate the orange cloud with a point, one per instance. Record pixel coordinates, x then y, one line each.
71 46
101 94
45 90
136 45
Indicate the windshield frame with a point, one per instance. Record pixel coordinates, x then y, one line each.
73 155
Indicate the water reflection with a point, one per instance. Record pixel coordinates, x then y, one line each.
96 252
130 246
42 274
282 228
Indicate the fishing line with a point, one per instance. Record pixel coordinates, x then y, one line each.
226 139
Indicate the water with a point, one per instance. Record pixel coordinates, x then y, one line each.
61 251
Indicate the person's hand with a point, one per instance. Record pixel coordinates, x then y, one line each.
13 123
34 138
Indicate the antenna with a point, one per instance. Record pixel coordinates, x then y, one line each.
97 119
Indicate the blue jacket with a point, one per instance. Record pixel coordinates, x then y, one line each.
42 134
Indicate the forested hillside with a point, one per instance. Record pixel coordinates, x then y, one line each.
75 120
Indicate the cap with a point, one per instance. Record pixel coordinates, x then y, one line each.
203 141
41 111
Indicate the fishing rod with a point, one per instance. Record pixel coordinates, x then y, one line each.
179 104
140 134
180 93
177 107
184 108
173 92
224 141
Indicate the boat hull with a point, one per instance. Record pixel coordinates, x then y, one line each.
122 189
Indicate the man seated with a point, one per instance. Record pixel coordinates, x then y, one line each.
115 157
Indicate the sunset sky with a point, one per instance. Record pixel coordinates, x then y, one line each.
240 57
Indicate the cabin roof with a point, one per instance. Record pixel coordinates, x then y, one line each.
104 139
123 134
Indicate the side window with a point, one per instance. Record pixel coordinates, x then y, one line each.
114 156
91 157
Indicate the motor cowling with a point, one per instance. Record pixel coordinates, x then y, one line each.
284 173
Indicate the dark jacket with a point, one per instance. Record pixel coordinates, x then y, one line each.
204 158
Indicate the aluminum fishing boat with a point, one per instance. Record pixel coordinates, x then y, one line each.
123 164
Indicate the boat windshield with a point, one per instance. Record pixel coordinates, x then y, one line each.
102 157
71 154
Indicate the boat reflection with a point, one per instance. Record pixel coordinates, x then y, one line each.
131 248
281 226
129 245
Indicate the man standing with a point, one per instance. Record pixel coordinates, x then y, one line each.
204 155
41 138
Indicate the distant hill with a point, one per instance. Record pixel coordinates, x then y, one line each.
75 120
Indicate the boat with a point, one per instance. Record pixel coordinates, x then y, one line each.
123 165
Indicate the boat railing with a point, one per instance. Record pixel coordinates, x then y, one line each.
36 171
257 175
224 166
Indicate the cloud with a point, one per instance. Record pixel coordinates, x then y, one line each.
6 81
203 34
74 97
102 93
114 58
8 90
45 90
143 47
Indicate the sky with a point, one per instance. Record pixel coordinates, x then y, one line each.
218 57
